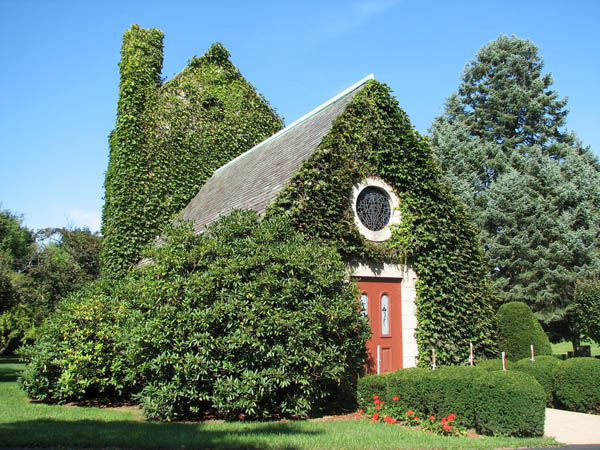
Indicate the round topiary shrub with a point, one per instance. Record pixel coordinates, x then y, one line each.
577 385
249 318
79 353
495 364
518 329
542 369
511 403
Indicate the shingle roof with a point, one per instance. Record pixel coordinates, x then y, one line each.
254 178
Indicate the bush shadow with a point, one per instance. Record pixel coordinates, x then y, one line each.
147 435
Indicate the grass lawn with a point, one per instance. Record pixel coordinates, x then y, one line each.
37 425
564 347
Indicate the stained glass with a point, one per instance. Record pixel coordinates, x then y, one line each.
373 208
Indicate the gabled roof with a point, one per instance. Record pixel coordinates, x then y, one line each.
254 179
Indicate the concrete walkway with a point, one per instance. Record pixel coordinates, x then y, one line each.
572 427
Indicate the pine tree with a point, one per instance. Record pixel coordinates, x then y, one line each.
531 187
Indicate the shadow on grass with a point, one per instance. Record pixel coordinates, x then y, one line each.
142 435
9 372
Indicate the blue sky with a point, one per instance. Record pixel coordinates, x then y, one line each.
60 76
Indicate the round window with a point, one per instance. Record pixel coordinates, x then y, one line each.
373 208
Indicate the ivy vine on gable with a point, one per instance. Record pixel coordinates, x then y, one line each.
374 137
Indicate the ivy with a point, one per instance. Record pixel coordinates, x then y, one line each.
170 138
374 137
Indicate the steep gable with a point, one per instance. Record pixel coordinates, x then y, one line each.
254 179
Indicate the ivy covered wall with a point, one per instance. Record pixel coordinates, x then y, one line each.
170 138
374 137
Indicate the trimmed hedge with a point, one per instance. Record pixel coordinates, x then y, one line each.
518 329
577 385
507 403
495 364
542 370
510 403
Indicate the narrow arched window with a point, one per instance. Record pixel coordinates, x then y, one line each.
385 313
364 301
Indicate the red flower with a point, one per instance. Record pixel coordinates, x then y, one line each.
451 417
430 417
416 418
409 412
446 427
375 397
376 402
443 421
389 420
382 403
377 407
360 411
375 417
395 398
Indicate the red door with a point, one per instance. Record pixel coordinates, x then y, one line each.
381 300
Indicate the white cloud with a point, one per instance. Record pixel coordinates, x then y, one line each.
353 17
80 218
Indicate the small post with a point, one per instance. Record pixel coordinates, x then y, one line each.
433 365
503 360
532 354
471 354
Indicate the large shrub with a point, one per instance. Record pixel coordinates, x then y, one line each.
518 329
508 403
542 370
577 385
249 318
79 352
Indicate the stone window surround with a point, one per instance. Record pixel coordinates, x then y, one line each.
385 233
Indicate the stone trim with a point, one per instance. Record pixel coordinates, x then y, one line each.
385 233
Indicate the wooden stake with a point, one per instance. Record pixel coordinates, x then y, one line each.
433 366
532 354
503 361
471 355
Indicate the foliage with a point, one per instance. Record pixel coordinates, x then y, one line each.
531 186
169 138
577 385
16 242
510 403
373 137
542 369
495 364
518 329
79 352
504 98
505 403
587 308
249 319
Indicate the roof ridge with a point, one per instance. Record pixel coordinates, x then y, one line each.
301 119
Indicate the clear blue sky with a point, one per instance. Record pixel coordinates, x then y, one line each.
60 76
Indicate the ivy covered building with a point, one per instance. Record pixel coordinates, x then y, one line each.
355 174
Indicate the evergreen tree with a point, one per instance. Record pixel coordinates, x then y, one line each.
531 186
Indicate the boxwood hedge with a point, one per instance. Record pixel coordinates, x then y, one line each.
577 385
542 370
498 402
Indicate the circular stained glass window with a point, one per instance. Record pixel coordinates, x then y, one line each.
373 208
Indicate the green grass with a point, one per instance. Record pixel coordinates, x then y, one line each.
564 347
23 423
